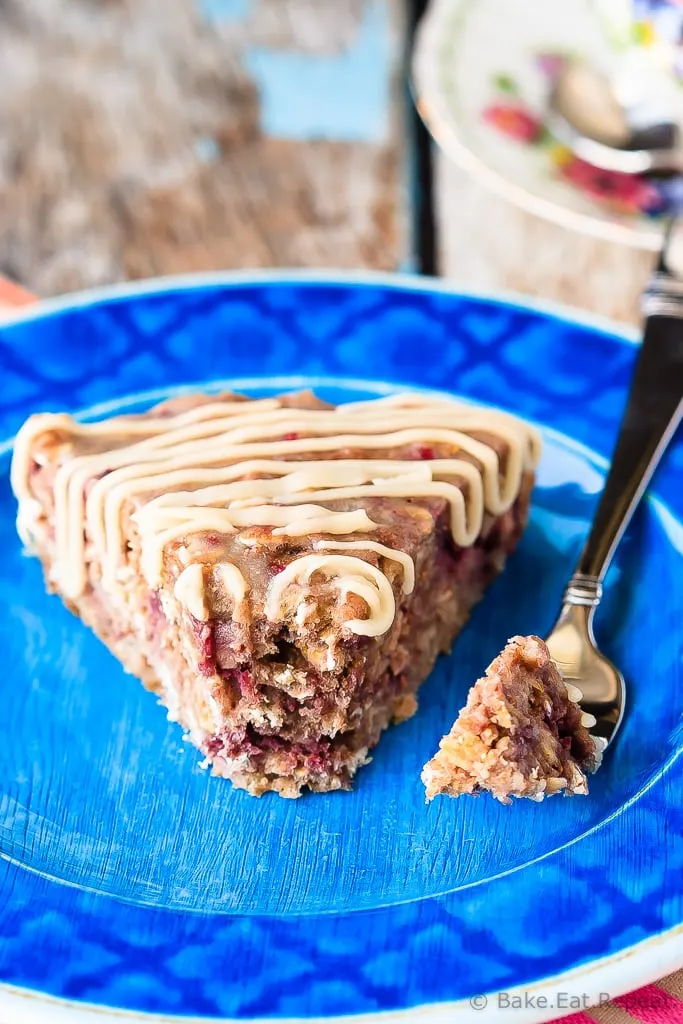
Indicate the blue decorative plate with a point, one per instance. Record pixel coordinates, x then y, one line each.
132 880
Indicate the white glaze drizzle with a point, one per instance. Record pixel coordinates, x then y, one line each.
574 693
194 465
350 576
393 554
233 581
189 591
179 522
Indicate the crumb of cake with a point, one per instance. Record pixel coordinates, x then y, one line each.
280 572
520 733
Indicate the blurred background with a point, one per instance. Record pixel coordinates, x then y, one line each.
140 138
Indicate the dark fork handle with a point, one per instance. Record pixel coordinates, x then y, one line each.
653 412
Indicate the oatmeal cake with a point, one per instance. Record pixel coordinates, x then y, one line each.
282 573
521 733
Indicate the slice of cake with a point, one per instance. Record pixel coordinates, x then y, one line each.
520 733
281 572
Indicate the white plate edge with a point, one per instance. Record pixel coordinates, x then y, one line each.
434 111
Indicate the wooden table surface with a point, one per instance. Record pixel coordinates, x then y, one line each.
142 139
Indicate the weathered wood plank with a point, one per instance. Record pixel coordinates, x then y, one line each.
139 138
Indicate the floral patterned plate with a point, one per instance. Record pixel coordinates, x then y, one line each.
482 71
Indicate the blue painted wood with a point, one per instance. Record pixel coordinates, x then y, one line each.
336 93
335 96
220 11
129 877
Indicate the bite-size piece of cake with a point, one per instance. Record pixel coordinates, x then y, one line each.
281 572
520 734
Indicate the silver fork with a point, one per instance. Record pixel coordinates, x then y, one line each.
653 412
